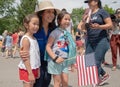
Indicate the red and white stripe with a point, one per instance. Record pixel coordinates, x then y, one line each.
86 75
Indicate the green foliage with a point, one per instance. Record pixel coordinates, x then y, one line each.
26 7
11 16
77 16
6 12
109 10
5 7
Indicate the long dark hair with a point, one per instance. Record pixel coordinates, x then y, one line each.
99 3
51 25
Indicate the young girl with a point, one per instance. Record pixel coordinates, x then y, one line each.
58 48
29 69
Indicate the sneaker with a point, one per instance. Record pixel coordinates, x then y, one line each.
104 79
105 63
113 68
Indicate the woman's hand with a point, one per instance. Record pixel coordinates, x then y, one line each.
84 18
24 54
38 73
95 26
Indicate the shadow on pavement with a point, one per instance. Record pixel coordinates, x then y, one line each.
53 86
111 65
105 84
108 66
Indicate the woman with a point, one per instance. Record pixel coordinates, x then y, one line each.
47 14
115 38
96 41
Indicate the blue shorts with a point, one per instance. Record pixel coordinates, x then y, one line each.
55 68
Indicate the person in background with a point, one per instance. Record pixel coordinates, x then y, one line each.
8 44
115 38
1 37
29 69
3 42
96 22
15 42
20 34
47 14
58 50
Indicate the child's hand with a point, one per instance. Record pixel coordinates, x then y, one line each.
59 60
72 68
31 78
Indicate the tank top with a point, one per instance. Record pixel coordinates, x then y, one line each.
33 52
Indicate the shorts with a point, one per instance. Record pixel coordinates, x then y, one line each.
55 68
8 47
79 43
3 49
23 74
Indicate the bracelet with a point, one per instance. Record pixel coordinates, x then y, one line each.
54 60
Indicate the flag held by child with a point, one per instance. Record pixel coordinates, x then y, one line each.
87 70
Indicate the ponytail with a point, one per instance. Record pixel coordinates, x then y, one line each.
99 4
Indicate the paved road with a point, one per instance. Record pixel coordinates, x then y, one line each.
9 74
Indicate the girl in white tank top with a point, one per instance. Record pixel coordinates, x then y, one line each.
29 69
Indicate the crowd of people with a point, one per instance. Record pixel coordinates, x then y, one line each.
10 43
49 49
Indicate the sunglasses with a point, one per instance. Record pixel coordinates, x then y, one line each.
118 12
91 1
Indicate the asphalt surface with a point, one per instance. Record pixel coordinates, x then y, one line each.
9 73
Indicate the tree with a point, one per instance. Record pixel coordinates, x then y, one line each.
11 16
77 16
109 10
6 11
25 7
5 7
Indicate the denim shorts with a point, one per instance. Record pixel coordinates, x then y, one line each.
55 68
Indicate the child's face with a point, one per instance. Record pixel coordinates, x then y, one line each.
33 25
48 15
65 22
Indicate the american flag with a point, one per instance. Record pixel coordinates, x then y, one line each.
87 70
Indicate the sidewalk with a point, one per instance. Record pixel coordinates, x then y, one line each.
9 74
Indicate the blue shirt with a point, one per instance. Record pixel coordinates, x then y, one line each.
95 35
42 39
